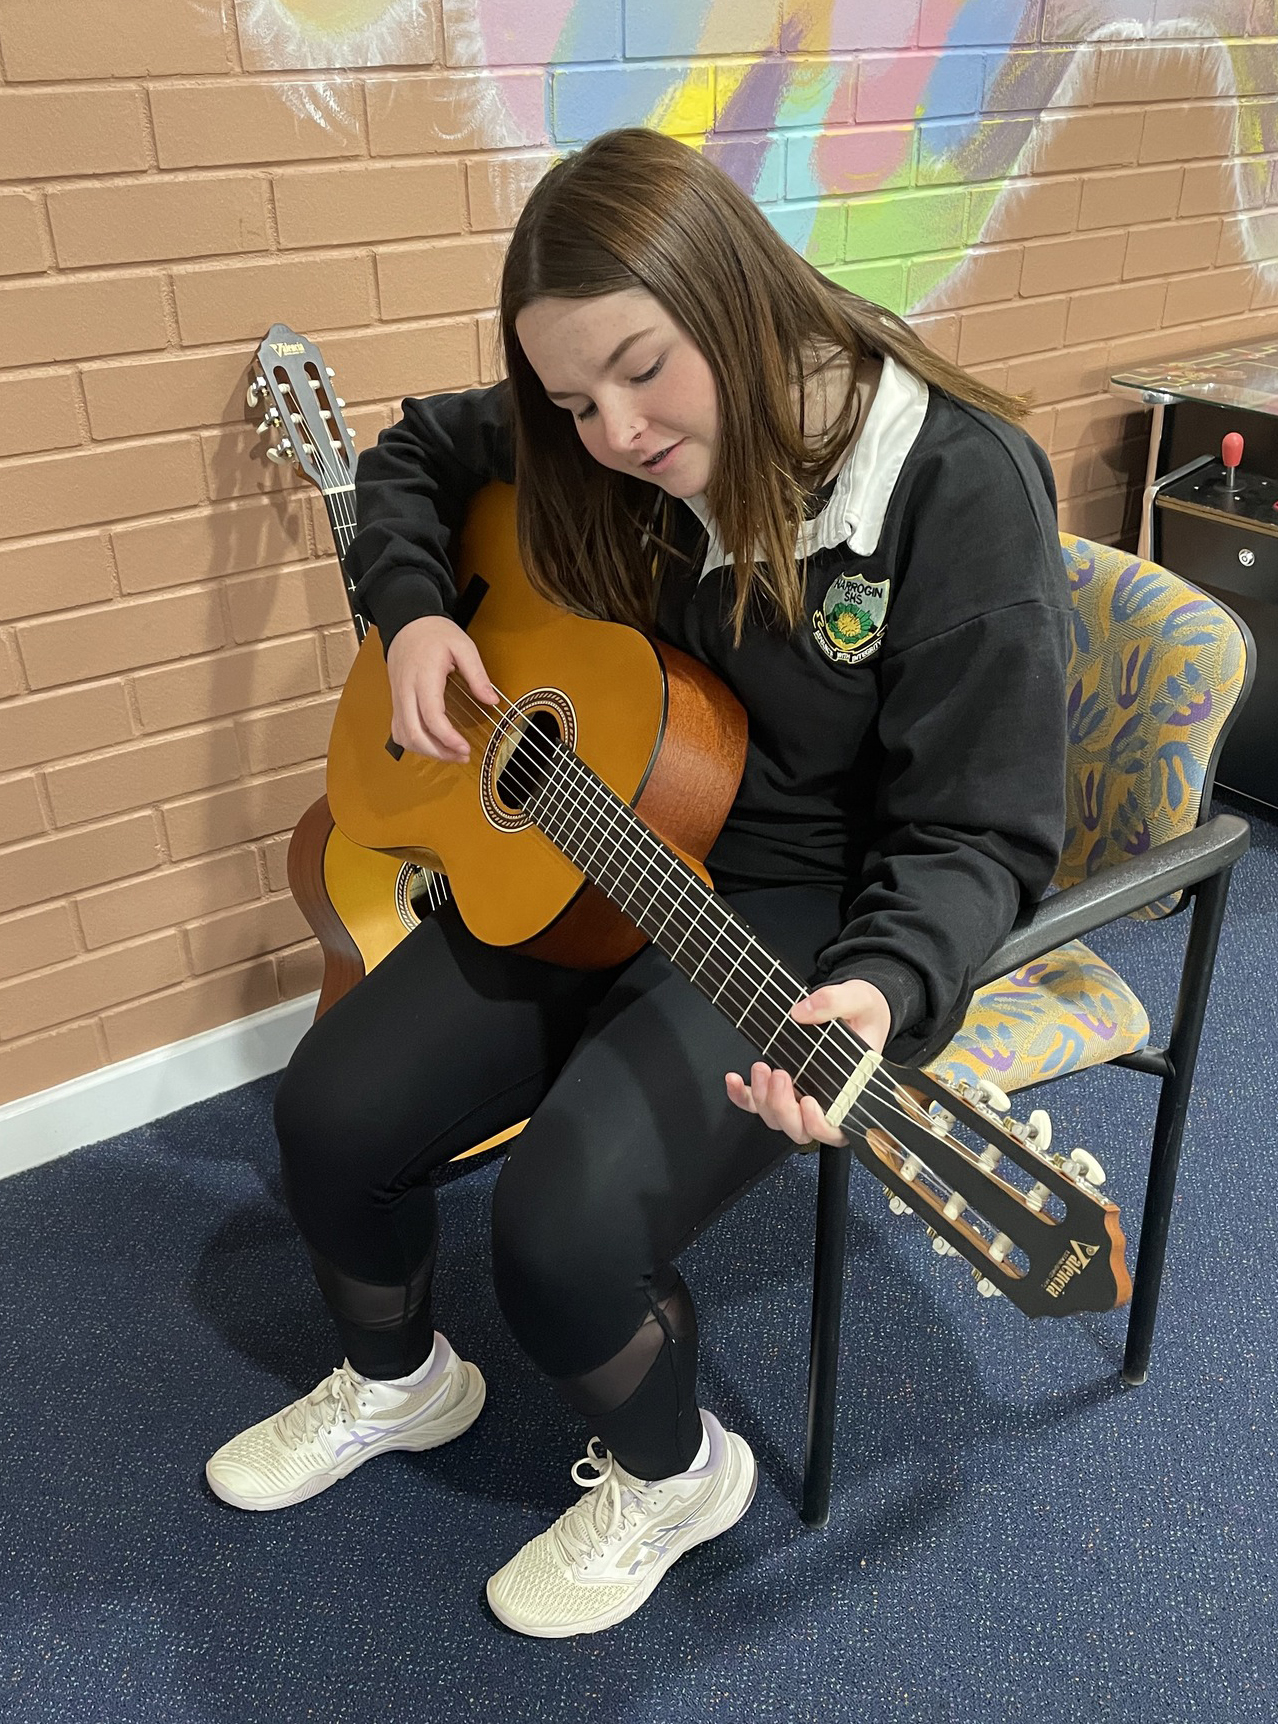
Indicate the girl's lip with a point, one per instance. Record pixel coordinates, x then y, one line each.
668 450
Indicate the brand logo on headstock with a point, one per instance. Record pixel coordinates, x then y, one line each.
283 347
1072 1263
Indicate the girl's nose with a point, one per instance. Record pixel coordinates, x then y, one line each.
621 430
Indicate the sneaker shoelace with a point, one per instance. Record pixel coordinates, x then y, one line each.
610 1507
322 1409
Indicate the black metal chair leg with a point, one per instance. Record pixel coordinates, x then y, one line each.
1173 1105
827 1308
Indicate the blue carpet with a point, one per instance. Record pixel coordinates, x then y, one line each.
1014 1536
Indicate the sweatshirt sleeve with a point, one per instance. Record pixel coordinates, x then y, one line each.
412 490
970 807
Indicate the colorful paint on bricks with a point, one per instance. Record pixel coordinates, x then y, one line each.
883 139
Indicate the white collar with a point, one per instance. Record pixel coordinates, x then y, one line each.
865 482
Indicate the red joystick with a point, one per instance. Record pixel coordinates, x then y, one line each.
1231 453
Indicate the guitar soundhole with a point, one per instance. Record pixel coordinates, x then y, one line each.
419 893
522 754
525 771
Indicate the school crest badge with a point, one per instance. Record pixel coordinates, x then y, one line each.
849 625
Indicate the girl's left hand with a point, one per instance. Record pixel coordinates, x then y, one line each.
770 1093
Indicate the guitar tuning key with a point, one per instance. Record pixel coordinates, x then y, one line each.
991 1096
330 371
1085 1166
254 393
985 1287
896 1204
281 451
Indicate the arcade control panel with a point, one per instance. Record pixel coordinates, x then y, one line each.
1216 523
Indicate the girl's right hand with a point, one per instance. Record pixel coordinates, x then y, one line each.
419 661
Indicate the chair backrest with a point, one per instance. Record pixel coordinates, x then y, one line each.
1156 669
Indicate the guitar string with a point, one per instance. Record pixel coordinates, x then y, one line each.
885 1090
880 1088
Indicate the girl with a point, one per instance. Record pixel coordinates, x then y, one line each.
713 443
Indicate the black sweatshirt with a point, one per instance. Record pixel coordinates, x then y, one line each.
906 743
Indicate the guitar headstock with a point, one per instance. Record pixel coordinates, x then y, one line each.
1031 1222
302 413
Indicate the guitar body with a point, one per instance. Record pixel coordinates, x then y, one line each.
658 728
360 903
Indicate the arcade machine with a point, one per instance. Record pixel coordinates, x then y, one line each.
1212 516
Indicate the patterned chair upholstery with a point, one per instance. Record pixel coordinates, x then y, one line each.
1156 667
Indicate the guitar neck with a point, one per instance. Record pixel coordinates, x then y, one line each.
700 934
339 501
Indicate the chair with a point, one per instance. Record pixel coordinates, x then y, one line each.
1158 670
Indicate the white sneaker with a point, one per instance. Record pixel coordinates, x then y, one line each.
303 1450
599 1562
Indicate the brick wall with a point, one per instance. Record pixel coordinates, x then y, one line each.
178 176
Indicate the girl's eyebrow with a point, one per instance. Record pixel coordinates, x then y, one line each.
613 357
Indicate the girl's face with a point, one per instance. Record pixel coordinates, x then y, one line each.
635 382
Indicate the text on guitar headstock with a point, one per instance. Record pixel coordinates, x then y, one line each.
989 1189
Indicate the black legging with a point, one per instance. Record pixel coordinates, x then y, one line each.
631 1149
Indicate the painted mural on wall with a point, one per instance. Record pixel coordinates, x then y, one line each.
941 94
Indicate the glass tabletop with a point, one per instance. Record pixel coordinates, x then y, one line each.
1241 376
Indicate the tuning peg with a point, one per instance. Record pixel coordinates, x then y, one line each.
254 393
330 371
271 420
352 433
339 401
281 451
992 1096
1085 1166
896 1204
942 1247
985 1287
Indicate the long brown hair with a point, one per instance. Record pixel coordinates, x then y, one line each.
637 209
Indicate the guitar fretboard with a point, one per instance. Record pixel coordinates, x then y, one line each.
340 503
693 926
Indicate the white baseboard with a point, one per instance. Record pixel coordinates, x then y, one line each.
133 1092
